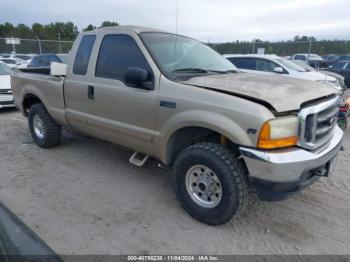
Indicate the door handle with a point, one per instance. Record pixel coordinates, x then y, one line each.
91 92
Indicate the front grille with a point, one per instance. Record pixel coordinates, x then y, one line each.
5 91
4 103
317 123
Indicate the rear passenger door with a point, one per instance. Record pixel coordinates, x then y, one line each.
76 83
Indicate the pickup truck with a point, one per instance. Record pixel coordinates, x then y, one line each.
220 132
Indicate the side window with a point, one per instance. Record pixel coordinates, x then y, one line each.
243 63
53 58
339 65
44 61
34 61
82 57
348 67
265 65
117 54
300 57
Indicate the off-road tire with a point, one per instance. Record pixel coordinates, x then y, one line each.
52 131
231 172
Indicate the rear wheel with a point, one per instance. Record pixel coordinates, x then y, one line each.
210 183
45 131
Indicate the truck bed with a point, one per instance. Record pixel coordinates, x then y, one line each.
38 82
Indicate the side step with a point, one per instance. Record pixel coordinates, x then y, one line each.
137 160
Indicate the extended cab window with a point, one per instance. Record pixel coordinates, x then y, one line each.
82 57
117 54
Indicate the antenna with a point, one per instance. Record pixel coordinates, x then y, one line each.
177 17
177 14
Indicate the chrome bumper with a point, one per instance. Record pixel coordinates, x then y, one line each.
289 165
6 101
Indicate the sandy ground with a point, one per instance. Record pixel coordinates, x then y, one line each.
83 197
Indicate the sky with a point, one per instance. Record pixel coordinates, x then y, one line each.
206 20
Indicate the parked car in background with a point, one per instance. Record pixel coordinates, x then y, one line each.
275 65
19 56
64 58
340 78
44 60
313 60
14 62
6 98
330 59
342 68
343 58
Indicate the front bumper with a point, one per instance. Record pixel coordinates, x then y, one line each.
6 101
281 172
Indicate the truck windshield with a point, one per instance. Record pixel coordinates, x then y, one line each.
176 54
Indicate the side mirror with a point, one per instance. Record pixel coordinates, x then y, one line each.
278 70
137 77
58 69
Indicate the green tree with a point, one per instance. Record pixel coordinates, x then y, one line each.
108 23
90 27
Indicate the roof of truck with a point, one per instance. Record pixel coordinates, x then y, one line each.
136 29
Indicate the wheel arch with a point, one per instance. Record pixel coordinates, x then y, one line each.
186 135
30 99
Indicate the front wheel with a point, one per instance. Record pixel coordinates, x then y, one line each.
210 183
45 131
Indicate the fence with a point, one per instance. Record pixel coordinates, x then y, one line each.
36 46
284 48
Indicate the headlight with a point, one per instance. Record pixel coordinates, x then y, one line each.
332 83
279 132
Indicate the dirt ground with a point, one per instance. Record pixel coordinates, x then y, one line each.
83 197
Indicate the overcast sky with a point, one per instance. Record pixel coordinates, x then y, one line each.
213 20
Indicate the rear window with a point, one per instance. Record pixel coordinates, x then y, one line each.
82 57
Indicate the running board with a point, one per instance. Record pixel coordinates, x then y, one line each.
136 161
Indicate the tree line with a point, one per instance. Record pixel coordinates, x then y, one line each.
299 44
58 31
54 31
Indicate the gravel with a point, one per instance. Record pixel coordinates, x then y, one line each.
83 197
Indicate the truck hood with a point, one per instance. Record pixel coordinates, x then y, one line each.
281 93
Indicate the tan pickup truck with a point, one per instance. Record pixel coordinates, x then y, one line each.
175 99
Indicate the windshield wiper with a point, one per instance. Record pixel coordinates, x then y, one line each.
190 70
223 72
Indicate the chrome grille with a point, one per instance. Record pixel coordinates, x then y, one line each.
5 91
317 123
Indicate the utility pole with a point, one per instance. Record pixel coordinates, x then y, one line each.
308 54
59 42
13 46
253 51
39 43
